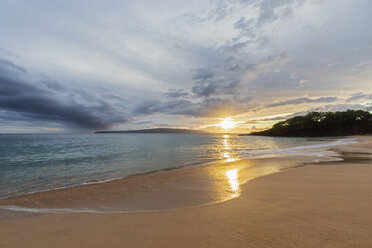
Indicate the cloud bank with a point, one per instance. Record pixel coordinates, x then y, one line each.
49 101
130 64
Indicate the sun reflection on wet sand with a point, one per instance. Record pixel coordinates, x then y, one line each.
233 179
232 174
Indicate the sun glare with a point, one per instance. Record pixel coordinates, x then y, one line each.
227 123
233 179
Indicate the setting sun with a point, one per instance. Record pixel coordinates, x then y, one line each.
227 123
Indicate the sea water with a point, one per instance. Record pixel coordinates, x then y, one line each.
41 162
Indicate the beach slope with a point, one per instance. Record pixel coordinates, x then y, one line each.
313 206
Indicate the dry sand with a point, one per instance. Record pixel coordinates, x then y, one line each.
320 205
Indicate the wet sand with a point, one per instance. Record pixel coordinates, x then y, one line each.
320 205
181 188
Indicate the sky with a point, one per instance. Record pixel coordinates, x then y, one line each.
88 65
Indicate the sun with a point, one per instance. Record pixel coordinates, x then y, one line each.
227 123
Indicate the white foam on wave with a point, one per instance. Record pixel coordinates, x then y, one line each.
45 210
68 210
315 150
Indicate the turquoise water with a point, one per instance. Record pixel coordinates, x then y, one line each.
40 162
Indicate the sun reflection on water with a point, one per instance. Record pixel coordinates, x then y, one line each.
226 141
226 154
228 157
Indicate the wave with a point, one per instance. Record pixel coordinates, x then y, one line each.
305 150
68 210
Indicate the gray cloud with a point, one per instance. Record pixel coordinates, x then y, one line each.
217 87
276 118
210 107
359 96
174 93
326 108
167 107
228 77
273 10
29 101
53 85
250 27
218 107
9 68
301 100
231 56
202 74
333 108
343 107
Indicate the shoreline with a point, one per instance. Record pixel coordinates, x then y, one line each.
258 155
247 155
199 185
211 182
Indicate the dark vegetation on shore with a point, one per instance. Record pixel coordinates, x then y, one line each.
316 124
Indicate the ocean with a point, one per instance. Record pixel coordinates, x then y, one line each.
42 162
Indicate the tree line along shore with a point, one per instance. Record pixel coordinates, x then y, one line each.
318 124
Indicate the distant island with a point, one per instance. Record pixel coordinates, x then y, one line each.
156 130
318 124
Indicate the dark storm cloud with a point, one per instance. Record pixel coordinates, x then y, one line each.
301 100
113 98
53 85
30 101
7 67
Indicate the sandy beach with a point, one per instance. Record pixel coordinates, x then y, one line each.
186 124
317 205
